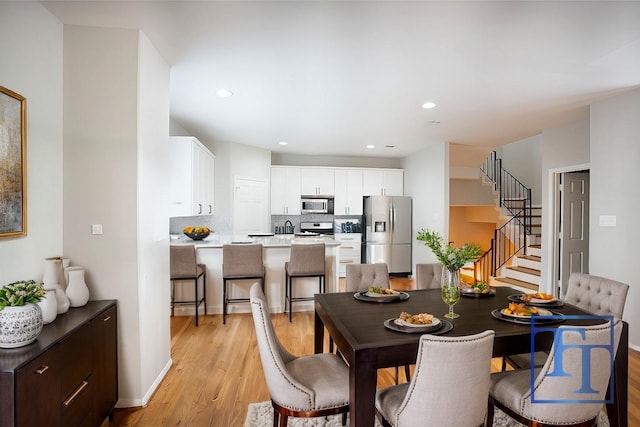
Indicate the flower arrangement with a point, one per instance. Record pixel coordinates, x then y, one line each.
452 258
21 293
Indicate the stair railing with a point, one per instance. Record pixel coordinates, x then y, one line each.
510 238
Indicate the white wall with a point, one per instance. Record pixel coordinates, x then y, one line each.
562 147
523 160
115 145
153 216
615 153
31 65
337 161
426 180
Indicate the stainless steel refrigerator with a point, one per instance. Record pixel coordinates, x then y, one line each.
388 232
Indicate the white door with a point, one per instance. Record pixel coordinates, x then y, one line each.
250 206
575 225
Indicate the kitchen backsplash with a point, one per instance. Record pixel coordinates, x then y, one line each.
220 224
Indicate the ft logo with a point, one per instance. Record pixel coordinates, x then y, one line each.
579 364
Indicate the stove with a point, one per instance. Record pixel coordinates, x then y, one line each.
313 228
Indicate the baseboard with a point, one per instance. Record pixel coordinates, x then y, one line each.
133 403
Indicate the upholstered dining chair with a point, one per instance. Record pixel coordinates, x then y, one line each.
511 391
308 386
450 386
240 262
184 266
305 260
429 276
360 277
594 294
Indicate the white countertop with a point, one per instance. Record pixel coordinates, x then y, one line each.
215 240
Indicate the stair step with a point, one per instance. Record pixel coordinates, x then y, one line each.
535 258
516 282
525 270
536 246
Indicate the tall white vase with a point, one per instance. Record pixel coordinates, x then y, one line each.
49 306
51 272
77 290
61 300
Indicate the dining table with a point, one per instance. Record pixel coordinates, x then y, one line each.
356 325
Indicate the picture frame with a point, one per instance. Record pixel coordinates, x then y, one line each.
13 173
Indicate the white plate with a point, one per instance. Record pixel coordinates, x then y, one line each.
377 295
541 312
434 322
542 301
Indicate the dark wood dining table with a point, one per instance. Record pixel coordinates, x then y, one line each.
357 328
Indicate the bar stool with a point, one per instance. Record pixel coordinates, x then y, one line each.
240 262
183 266
305 260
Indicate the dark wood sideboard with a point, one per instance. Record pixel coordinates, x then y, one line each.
68 376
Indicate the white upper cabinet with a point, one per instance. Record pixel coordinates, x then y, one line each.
317 181
383 182
285 190
191 186
348 192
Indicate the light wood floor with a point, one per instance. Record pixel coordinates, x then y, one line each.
217 372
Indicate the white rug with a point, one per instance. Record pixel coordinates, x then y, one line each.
261 415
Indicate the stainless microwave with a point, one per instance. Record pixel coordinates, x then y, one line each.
316 205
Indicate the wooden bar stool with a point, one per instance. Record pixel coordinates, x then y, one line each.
305 260
240 262
183 266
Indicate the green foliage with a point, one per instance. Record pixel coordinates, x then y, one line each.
452 258
21 293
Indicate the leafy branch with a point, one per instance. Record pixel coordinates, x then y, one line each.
452 258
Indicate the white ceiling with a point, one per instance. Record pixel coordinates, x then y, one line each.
329 77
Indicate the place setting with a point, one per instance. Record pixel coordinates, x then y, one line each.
524 314
378 294
536 299
421 323
477 290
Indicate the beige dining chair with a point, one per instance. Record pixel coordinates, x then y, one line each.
450 385
184 266
240 262
305 260
360 277
308 386
513 393
594 294
429 276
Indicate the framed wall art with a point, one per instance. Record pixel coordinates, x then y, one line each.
13 178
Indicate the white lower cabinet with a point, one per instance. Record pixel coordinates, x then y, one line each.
350 250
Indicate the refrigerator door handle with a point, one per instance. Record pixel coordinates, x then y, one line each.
392 219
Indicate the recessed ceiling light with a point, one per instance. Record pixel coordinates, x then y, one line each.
224 93
390 146
283 143
370 146
428 105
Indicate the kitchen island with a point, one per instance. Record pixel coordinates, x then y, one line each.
276 251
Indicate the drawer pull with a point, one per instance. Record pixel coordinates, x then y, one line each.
42 369
75 393
106 319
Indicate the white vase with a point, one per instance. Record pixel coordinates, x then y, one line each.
51 273
49 306
62 301
20 325
77 290
66 274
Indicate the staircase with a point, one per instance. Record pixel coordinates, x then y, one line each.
523 271
514 258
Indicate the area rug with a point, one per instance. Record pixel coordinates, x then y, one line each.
261 415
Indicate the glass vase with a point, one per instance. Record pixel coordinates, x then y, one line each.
450 290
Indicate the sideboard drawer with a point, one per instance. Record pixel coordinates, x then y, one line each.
38 390
77 406
76 357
